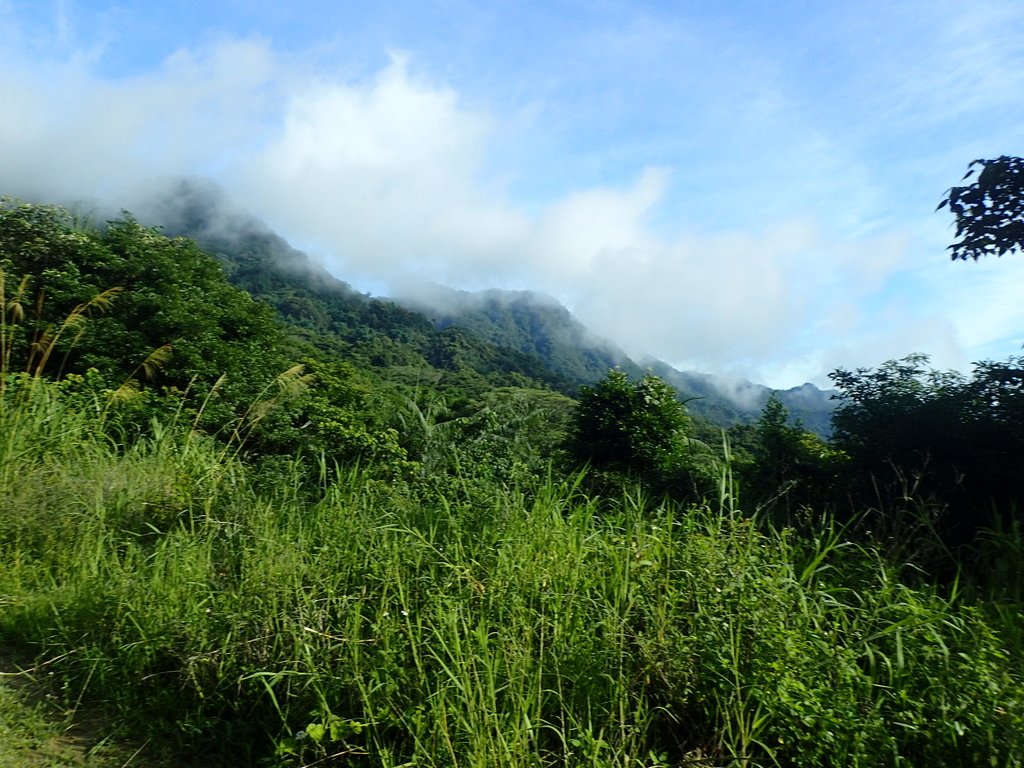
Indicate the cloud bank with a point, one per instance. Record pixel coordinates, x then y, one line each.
390 178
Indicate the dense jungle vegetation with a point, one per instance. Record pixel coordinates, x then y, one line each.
251 517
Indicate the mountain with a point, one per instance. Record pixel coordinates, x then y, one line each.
738 401
492 337
530 322
328 313
538 325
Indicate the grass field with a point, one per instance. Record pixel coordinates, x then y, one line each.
180 605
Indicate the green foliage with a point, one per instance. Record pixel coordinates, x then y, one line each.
509 438
170 297
990 211
535 421
151 317
535 326
372 562
632 428
245 626
789 469
333 419
637 431
327 315
328 737
938 436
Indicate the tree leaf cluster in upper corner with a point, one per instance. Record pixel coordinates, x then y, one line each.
989 211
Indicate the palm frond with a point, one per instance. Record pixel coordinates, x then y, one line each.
156 360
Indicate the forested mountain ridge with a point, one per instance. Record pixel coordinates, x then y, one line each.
526 321
327 312
539 325
810 406
492 332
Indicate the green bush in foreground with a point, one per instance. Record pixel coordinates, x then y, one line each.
373 628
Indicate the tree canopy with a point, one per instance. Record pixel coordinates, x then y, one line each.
990 210
169 295
937 435
638 430
174 335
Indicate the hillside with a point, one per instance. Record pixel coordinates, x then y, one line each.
328 313
529 322
513 337
538 325
725 402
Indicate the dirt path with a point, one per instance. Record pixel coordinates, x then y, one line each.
37 733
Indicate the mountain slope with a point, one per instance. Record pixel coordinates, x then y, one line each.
495 336
328 313
529 322
538 325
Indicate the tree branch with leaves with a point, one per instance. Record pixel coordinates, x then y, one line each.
990 210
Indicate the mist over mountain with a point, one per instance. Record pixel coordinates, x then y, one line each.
537 329
537 324
527 321
200 209
729 401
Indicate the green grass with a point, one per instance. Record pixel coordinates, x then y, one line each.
373 625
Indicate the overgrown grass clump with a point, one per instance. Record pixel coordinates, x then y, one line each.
369 624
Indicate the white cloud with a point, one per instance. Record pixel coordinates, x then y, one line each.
388 178
587 232
384 175
69 133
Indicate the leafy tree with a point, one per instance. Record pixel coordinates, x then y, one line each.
989 211
332 415
221 355
779 440
170 295
890 415
791 468
534 421
514 433
936 435
637 431
777 454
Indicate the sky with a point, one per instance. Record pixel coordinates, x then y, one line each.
743 188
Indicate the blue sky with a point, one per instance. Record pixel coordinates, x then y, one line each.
745 188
